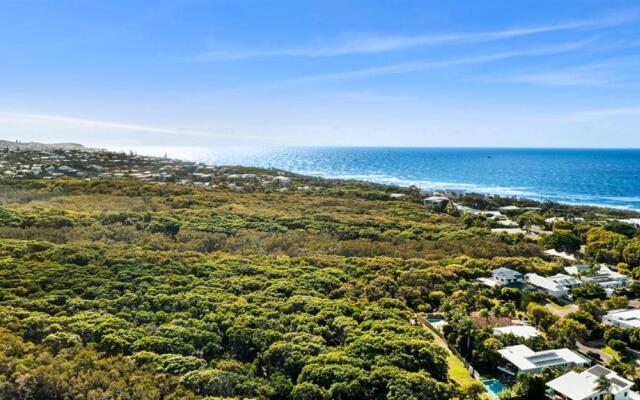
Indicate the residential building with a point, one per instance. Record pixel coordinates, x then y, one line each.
577 269
521 358
523 331
584 385
558 286
624 318
436 203
503 277
609 280
560 254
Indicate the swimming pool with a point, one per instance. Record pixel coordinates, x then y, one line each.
437 322
494 386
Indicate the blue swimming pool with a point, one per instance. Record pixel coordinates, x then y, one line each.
494 386
436 322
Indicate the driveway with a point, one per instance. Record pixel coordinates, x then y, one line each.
561 311
586 349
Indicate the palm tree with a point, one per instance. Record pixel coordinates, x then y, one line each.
604 385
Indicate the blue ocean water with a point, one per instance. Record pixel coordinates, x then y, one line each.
606 177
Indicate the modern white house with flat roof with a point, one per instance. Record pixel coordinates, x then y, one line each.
523 331
558 286
624 318
584 386
521 358
609 280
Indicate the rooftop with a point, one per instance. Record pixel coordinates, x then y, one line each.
578 386
630 317
524 331
526 359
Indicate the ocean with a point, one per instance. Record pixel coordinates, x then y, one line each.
603 177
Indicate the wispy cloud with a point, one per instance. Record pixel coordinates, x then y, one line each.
597 114
616 72
420 66
380 44
72 122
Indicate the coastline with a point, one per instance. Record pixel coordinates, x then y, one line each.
309 161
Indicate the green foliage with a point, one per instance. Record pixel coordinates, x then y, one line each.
124 289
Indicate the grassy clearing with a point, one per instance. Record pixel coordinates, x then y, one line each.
457 370
558 306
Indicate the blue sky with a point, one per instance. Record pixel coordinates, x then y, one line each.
348 73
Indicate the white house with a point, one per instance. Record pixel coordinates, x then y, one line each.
558 285
607 279
577 269
624 318
560 254
523 331
502 277
506 276
631 221
521 358
583 385
436 203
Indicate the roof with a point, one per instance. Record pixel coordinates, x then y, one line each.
578 386
545 283
576 269
555 253
488 282
524 331
630 317
605 275
506 272
526 359
564 280
437 199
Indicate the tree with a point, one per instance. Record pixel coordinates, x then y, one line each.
475 391
588 290
540 316
604 385
605 246
309 391
631 253
567 332
564 240
528 219
60 340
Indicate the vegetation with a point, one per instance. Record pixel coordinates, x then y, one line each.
121 288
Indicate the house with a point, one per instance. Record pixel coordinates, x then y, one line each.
509 209
520 358
607 279
436 203
560 254
506 276
577 269
631 221
557 286
502 277
584 385
523 331
624 318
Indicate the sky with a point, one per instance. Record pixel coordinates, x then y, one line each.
196 73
